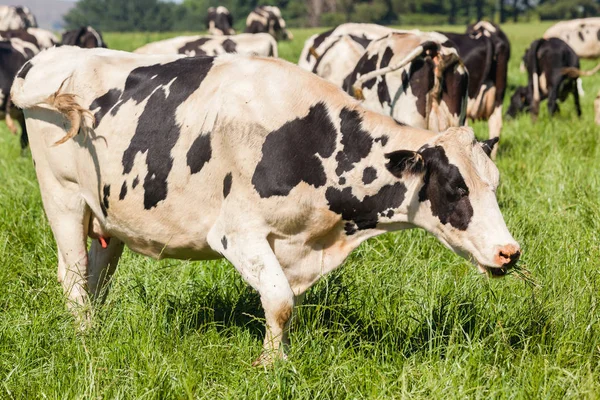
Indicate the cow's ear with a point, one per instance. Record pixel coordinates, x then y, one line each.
404 161
488 145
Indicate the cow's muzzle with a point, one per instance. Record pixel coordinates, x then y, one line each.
506 257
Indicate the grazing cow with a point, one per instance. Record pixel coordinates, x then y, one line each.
247 158
553 70
86 37
582 35
14 53
268 19
40 38
412 77
317 45
485 51
260 44
219 21
16 17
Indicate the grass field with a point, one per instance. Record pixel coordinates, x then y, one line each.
403 318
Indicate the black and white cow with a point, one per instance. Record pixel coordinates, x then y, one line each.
86 37
40 38
582 35
553 71
247 158
14 53
219 21
485 51
260 44
16 17
412 77
268 19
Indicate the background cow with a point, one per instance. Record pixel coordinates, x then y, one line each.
268 19
412 77
485 51
553 70
86 37
582 35
219 21
287 174
260 44
40 38
16 17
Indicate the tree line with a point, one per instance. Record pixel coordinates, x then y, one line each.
157 15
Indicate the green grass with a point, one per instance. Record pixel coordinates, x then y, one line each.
403 318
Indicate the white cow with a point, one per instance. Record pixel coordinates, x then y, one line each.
260 44
582 35
247 158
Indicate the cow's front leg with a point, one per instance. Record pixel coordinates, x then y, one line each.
495 127
251 254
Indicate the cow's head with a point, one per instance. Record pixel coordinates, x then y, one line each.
519 102
277 25
455 185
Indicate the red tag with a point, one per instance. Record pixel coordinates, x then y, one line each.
103 242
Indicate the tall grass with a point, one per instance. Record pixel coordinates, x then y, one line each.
403 318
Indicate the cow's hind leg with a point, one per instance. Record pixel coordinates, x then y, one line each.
251 254
102 263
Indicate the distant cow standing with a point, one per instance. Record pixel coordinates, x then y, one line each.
86 37
268 19
553 70
485 51
247 158
219 21
260 44
582 35
16 17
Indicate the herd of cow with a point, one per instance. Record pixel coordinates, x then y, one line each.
282 169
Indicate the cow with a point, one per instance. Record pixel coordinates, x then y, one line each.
14 53
582 35
553 71
85 36
316 45
260 44
40 38
268 19
412 77
485 51
16 17
219 21
247 158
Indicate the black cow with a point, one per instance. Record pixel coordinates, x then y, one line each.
86 37
219 21
552 69
485 51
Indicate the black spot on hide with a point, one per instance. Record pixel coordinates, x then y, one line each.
446 189
363 41
383 92
194 47
135 182
226 185
289 154
123 192
199 153
157 131
364 213
25 70
105 103
383 139
356 142
105 195
224 242
229 46
580 35
369 175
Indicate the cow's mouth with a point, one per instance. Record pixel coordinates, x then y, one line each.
494 272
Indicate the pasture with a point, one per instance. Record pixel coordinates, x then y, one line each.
403 318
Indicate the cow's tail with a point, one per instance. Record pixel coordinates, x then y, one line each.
574 72
418 51
65 103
